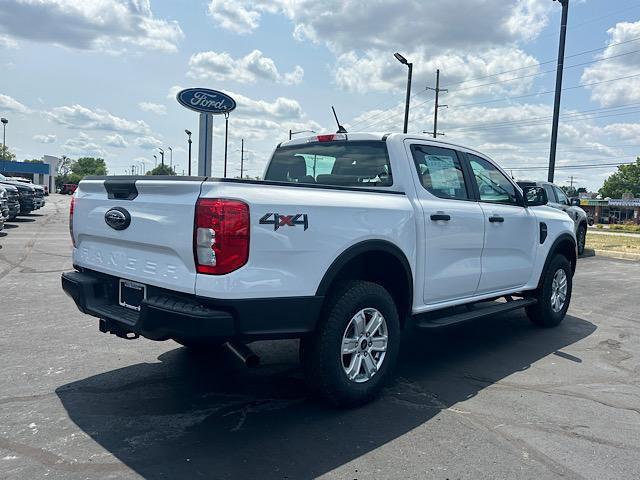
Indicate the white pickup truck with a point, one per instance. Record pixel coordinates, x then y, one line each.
349 239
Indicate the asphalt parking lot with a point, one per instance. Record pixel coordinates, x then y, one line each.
493 399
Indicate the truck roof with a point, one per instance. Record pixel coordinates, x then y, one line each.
376 136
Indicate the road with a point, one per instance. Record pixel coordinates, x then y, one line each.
494 399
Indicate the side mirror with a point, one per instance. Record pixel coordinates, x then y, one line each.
535 196
575 202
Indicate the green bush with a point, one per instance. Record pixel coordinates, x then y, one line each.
599 226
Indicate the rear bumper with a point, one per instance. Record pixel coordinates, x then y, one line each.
166 314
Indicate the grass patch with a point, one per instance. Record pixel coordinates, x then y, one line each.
614 243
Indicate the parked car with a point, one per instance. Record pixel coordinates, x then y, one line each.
26 194
39 198
4 207
68 188
13 200
349 239
558 199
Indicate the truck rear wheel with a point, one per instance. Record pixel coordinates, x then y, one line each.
553 295
354 350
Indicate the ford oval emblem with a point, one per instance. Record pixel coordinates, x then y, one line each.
206 100
117 218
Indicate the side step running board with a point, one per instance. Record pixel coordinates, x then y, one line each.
427 321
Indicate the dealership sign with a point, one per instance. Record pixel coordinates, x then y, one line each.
205 100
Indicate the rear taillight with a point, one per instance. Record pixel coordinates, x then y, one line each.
71 207
220 235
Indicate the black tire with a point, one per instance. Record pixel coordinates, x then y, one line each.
542 313
581 238
321 353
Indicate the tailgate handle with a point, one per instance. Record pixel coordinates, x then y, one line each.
119 189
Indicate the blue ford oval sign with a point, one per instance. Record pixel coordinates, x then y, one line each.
206 101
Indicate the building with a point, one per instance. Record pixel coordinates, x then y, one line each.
612 210
40 173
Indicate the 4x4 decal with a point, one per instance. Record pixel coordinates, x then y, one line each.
278 220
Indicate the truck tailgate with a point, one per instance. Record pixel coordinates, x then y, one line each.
156 247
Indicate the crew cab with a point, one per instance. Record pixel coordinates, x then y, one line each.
349 239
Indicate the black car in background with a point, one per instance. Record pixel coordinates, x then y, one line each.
4 207
13 200
26 193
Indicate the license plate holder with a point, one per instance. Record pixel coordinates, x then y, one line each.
131 294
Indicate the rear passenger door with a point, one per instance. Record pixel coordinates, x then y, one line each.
510 229
453 224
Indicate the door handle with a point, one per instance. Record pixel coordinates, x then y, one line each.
496 219
440 216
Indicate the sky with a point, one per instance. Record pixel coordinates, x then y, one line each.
99 78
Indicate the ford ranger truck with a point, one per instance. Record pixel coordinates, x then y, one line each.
349 239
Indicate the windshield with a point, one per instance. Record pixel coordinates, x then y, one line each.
346 163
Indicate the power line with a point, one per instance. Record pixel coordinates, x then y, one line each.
401 104
544 92
578 54
535 120
545 72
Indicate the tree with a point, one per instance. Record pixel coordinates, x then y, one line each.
89 166
72 171
34 160
6 154
625 180
162 170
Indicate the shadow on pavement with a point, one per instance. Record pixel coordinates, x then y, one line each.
23 220
189 416
10 225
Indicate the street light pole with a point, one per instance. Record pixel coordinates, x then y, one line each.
4 138
170 157
404 61
556 103
188 132
161 157
155 159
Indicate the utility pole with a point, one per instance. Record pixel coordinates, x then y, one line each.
556 102
437 105
571 182
242 157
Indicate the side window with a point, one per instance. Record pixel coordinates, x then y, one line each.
551 195
562 198
440 171
493 185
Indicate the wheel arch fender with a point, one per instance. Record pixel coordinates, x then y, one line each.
565 244
356 255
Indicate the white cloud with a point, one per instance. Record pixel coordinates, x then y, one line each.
346 25
248 69
147 142
87 25
375 71
115 140
624 131
7 42
234 16
156 108
77 116
45 138
173 91
621 91
83 145
12 105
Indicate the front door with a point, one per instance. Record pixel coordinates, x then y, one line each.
510 230
454 224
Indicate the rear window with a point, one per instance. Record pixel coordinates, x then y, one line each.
344 163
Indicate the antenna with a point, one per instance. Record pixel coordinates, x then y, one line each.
341 129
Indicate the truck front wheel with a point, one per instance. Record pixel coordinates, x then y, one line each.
354 350
554 294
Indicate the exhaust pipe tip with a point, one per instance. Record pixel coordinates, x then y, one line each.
244 353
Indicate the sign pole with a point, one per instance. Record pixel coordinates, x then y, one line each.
205 144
